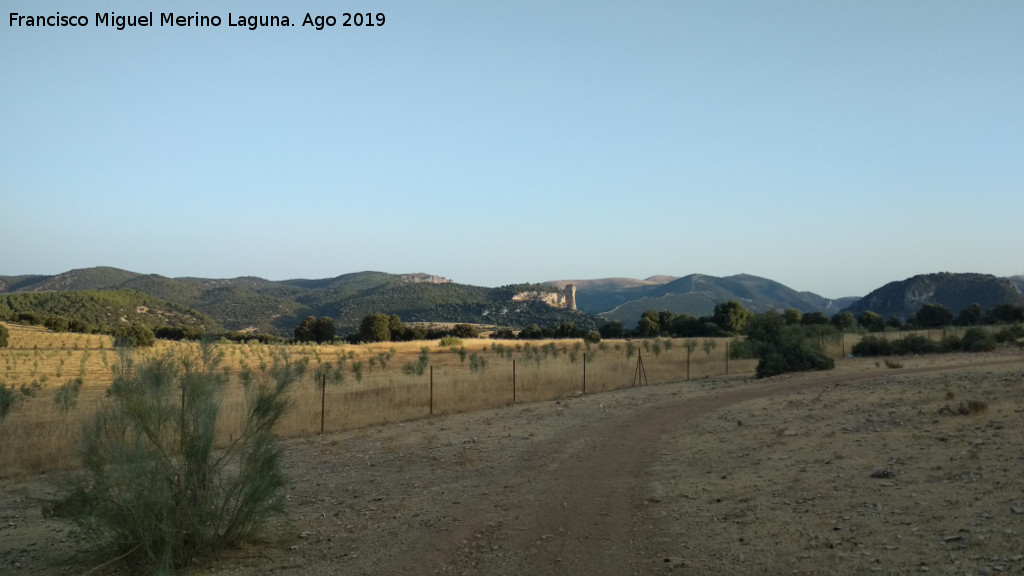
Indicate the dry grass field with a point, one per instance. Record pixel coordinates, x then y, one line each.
374 387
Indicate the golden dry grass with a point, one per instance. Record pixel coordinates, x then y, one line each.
375 388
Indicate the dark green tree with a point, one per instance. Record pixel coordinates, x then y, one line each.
314 329
687 326
325 330
1005 314
133 335
5 336
793 316
613 329
503 334
57 323
731 317
399 331
871 321
375 328
970 315
465 331
566 330
531 332
814 319
934 316
844 321
781 347
665 319
649 324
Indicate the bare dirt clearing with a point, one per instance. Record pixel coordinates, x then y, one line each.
859 470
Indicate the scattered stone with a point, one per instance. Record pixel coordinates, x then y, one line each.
883 473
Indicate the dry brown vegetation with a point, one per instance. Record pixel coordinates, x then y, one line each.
374 388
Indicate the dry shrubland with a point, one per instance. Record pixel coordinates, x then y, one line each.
368 386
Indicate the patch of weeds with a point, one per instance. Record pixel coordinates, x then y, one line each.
420 365
66 397
477 362
467 457
889 363
965 408
449 341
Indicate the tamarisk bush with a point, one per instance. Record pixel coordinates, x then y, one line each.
156 486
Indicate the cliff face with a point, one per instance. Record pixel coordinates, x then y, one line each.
564 299
424 278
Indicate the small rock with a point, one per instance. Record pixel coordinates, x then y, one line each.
883 473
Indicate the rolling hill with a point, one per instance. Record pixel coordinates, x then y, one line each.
954 291
626 299
106 308
277 307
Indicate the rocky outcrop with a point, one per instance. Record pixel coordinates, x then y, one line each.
424 278
564 299
570 296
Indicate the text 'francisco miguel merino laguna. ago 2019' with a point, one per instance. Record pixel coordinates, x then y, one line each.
121 21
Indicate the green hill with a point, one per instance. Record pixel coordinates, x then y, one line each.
277 307
99 308
697 294
954 291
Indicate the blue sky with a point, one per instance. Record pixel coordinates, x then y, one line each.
831 146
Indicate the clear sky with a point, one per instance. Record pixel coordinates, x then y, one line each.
831 146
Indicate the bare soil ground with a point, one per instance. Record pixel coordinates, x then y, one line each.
859 470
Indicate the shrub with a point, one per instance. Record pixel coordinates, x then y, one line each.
7 398
477 362
965 408
741 349
465 331
978 340
593 337
133 336
1010 334
952 343
449 341
30 318
915 344
5 336
873 346
152 488
503 334
420 365
788 348
66 397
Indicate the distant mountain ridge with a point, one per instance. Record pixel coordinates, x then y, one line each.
955 291
277 307
626 299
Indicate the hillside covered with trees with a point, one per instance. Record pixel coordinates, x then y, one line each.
101 311
277 307
955 291
626 300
